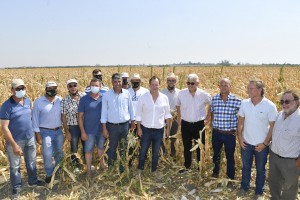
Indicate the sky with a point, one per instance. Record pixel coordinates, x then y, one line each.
151 32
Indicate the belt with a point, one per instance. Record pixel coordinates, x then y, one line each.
191 122
118 123
52 129
233 132
153 129
284 157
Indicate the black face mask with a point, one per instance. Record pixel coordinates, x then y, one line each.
51 93
125 82
98 77
135 84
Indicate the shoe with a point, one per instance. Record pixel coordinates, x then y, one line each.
39 183
16 193
230 185
259 197
241 192
184 171
93 168
76 171
48 179
215 175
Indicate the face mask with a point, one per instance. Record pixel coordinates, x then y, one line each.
135 84
125 82
171 88
95 89
98 77
51 93
20 94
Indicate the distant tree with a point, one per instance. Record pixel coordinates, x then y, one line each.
225 63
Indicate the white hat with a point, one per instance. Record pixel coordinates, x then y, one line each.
71 81
16 83
172 75
135 76
51 84
124 75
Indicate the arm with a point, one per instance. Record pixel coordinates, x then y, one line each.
178 115
35 122
168 128
298 162
208 115
131 113
7 134
267 141
105 132
65 126
139 129
84 136
240 128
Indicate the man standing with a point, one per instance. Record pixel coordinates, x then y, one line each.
97 74
116 112
46 120
125 84
152 111
172 93
69 109
89 115
255 124
285 149
224 109
17 129
192 116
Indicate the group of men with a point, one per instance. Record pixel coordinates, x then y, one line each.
101 114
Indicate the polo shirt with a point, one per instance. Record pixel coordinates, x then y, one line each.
257 118
286 135
19 116
91 110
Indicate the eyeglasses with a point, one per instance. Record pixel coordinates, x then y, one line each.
190 83
72 85
287 102
20 88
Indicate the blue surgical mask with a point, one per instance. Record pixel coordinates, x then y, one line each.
20 94
95 89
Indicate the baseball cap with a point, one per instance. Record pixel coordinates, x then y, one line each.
124 75
16 83
51 84
71 81
135 76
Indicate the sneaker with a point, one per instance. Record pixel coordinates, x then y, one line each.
48 179
215 175
241 192
93 168
184 171
39 183
259 197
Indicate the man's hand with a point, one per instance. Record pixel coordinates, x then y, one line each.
84 136
68 136
133 126
17 150
105 133
179 121
139 132
242 142
167 132
260 147
38 138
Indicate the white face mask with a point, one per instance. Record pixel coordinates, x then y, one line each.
95 89
20 94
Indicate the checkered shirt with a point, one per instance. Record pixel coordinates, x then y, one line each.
225 114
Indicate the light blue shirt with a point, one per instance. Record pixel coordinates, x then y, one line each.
116 108
46 114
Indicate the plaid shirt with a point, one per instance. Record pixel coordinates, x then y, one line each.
225 114
69 106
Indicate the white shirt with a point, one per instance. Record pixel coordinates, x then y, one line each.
153 114
135 95
172 96
286 135
192 108
257 118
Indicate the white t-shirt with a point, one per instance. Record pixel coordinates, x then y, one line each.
257 118
192 108
135 95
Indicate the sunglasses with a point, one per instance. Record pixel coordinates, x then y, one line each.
72 85
20 88
190 83
287 102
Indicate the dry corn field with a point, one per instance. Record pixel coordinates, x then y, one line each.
112 185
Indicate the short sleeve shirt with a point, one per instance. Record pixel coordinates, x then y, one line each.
19 116
69 107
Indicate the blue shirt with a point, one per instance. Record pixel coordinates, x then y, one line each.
117 108
91 110
225 113
19 116
46 114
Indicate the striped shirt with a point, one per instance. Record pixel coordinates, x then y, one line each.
69 107
225 113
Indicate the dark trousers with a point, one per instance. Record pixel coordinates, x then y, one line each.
229 141
75 138
173 131
189 132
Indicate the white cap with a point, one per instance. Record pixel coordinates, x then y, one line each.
124 75
71 81
16 83
135 76
51 84
172 75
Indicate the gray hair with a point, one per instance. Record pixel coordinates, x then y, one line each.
193 77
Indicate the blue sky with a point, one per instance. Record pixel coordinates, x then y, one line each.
111 32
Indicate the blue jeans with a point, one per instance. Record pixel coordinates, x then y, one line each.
53 142
29 151
75 137
229 141
260 162
149 136
117 137
99 140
